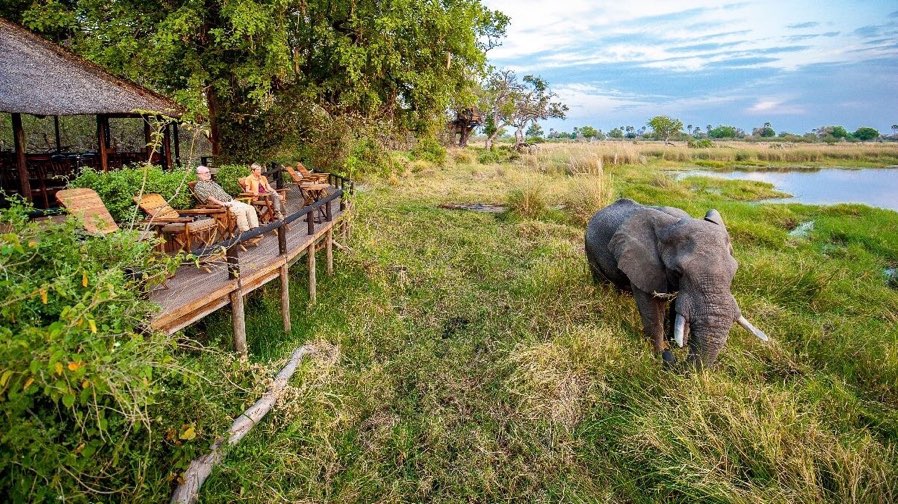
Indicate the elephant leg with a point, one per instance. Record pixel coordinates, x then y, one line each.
652 311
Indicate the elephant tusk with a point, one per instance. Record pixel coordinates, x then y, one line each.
679 330
752 329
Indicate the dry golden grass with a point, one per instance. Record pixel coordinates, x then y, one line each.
580 157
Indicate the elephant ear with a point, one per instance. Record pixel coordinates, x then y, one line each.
635 247
715 217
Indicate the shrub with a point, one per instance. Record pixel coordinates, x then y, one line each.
489 157
78 373
117 188
463 156
699 143
429 149
227 176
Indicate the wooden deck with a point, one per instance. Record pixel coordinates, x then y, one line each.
194 293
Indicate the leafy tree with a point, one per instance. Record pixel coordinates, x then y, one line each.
765 131
589 132
866 134
832 133
616 133
723 131
510 102
665 127
631 132
535 131
534 102
263 72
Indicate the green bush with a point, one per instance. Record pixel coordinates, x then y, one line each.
77 372
117 188
489 157
429 149
227 176
699 143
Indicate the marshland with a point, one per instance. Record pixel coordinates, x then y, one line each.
450 343
478 360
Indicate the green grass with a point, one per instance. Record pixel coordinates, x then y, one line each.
478 362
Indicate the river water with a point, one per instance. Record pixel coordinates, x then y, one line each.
875 187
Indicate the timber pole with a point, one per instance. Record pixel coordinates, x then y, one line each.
21 163
238 315
102 128
285 279
329 249
285 297
310 254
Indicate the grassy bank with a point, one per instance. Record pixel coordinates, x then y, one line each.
478 362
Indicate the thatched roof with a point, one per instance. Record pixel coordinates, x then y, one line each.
39 77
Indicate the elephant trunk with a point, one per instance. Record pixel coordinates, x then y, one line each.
703 323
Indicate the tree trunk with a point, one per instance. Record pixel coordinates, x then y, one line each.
518 138
465 133
214 128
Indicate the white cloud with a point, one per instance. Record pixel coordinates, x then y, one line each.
774 107
663 34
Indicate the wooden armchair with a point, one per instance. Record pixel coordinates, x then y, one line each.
311 191
182 229
262 202
227 225
319 177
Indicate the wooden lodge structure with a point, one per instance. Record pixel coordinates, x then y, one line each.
40 78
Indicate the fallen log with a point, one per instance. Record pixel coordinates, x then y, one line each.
201 468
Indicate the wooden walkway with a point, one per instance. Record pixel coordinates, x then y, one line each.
194 293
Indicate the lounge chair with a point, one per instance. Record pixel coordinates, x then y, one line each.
183 229
319 177
87 205
311 191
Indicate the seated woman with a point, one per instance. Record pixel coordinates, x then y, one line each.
257 184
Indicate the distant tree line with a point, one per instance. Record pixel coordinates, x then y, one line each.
665 128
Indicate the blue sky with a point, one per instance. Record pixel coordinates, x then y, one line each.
794 63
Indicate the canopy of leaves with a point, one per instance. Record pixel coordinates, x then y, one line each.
866 134
723 131
263 71
665 127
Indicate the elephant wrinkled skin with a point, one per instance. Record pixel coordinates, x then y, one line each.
660 253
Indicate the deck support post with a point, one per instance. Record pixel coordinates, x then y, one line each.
103 141
21 161
329 248
310 221
285 297
282 239
238 321
238 318
310 254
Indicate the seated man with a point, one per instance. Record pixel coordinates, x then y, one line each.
208 191
257 184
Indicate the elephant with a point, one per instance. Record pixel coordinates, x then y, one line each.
662 254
